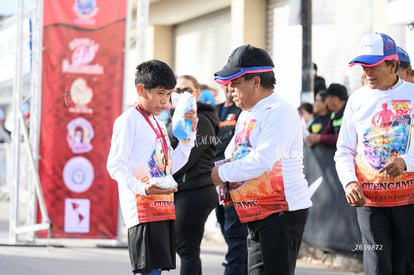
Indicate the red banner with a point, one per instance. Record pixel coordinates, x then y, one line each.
82 85
91 14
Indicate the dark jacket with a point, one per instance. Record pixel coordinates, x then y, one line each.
228 122
196 172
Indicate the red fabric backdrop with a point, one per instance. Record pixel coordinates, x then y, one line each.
82 84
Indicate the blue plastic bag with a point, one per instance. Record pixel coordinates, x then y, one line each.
183 102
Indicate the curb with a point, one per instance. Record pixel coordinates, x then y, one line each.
333 259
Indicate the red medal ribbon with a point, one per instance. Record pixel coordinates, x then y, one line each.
157 133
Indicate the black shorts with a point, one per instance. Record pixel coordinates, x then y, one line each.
152 245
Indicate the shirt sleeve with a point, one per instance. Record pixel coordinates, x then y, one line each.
277 131
409 157
346 148
181 153
121 147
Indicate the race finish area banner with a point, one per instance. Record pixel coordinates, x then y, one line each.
82 85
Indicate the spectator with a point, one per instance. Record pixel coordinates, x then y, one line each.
305 111
206 96
196 196
268 187
320 119
375 161
5 135
318 81
337 98
234 232
404 68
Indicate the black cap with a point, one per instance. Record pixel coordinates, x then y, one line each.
245 56
338 90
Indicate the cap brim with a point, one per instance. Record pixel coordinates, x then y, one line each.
228 71
228 78
371 60
366 60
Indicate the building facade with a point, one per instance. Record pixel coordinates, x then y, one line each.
196 36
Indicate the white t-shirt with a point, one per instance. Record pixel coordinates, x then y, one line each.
135 158
266 167
377 126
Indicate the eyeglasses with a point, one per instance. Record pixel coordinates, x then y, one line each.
182 90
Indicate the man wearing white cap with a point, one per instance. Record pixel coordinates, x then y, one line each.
375 158
265 171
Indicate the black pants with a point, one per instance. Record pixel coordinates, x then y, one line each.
274 242
387 239
192 208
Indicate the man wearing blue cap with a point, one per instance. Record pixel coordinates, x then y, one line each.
375 158
265 168
404 69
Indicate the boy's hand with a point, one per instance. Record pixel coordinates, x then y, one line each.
152 189
192 116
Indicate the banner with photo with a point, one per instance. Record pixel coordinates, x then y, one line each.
82 85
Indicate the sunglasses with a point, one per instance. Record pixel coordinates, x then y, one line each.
182 90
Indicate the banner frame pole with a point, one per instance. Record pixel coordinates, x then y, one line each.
17 87
120 224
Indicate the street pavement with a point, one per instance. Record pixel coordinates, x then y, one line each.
101 257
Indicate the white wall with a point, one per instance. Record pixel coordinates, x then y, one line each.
202 46
333 46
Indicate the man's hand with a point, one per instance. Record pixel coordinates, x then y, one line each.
394 168
215 176
312 139
152 189
354 194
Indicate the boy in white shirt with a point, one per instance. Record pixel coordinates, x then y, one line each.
142 161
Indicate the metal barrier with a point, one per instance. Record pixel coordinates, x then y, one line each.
332 223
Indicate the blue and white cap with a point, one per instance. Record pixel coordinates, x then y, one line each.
375 48
403 55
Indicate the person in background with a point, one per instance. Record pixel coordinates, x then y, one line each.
5 135
337 98
404 68
375 158
218 98
321 117
196 196
319 83
234 232
305 111
206 96
267 185
140 158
